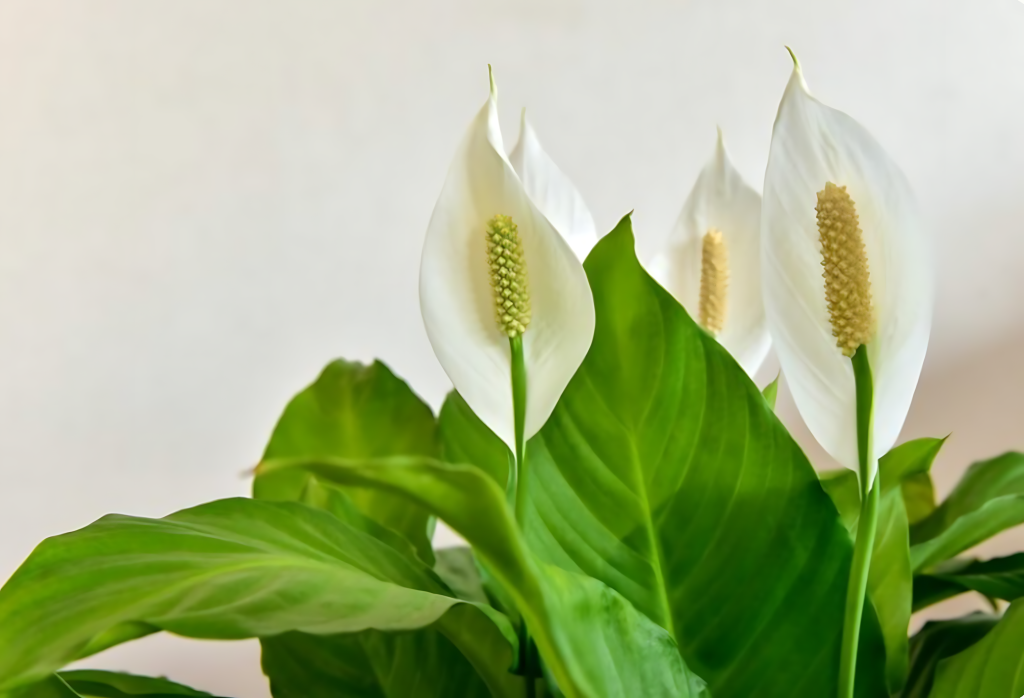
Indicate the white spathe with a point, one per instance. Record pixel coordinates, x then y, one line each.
456 298
721 200
813 144
552 192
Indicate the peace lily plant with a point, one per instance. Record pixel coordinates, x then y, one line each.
639 522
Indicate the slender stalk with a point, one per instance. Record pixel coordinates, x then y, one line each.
517 475
519 412
867 525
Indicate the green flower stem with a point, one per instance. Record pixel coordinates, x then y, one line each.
529 662
519 411
866 527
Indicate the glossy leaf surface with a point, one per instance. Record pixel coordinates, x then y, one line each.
938 640
664 473
983 482
593 641
991 668
356 411
229 569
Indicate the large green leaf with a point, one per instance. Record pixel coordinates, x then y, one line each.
229 569
664 473
375 664
593 640
356 411
983 482
991 668
938 640
890 582
999 578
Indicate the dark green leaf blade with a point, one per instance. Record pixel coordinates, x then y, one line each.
229 569
94 683
993 667
356 411
375 664
938 640
593 640
999 578
664 473
51 687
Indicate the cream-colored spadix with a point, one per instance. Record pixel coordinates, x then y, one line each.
457 296
718 278
550 189
845 262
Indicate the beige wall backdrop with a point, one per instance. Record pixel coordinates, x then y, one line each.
203 201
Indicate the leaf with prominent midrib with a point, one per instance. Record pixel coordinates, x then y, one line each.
356 411
593 641
664 473
991 668
229 569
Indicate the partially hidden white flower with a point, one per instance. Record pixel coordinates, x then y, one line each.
711 262
830 184
457 299
552 192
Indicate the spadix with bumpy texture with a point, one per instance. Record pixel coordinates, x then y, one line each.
507 265
714 282
836 205
484 235
847 282
711 262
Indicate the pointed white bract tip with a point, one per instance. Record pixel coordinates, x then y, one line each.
494 86
796 61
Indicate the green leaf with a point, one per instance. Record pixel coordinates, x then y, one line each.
991 668
375 664
356 411
93 683
938 640
594 642
464 441
841 486
457 567
51 687
968 530
230 569
771 391
983 482
664 473
999 578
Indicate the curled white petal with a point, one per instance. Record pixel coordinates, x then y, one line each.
721 200
456 297
813 144
552 192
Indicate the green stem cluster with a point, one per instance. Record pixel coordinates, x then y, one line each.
866 528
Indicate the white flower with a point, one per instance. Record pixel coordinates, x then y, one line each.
712 261
821 155
552 192
458 302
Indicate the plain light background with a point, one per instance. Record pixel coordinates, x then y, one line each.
204 201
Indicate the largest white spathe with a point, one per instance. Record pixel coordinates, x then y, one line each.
813 144
456 296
